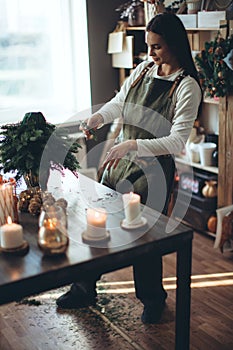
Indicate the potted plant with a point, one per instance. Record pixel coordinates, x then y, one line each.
28 148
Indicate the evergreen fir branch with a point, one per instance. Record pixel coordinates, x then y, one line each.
22 145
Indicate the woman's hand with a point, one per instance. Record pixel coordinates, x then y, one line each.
92 123
117 152
95 121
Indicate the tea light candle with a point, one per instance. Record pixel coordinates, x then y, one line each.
132 207
11 235
96 222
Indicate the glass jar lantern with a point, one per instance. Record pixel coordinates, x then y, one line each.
52 236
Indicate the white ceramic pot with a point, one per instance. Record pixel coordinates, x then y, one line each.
206 150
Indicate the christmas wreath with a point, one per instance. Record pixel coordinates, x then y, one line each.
215 67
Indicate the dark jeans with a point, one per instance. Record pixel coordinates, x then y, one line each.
147 273
148 279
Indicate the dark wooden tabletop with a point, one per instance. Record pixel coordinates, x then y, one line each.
22 276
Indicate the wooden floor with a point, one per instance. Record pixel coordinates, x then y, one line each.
115 322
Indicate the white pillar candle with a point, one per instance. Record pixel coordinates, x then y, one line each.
11 235
132 208
96 223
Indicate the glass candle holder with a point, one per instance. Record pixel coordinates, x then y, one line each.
53 237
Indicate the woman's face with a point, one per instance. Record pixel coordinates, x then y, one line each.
158 49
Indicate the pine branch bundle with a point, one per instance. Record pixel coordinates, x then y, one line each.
24 145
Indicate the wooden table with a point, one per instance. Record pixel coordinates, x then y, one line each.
35 273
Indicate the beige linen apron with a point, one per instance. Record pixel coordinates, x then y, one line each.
147 114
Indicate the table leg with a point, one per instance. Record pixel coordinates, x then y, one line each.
183 296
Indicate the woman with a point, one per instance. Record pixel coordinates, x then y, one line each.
159 103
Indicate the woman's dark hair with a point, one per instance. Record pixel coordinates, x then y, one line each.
170 27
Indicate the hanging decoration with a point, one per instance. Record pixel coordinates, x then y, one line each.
215 67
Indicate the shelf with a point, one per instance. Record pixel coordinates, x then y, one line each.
187 29
201 29
206 232
135 28
211 169
211 101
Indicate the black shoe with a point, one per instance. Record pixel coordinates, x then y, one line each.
152 313
77 297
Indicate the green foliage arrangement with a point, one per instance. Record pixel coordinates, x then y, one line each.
24 144
214 65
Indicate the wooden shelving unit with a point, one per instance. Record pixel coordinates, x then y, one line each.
224 109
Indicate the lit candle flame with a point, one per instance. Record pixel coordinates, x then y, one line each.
51 224
97 215
9 220
131 196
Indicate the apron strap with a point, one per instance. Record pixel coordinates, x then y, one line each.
141 75
145 70
176 83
